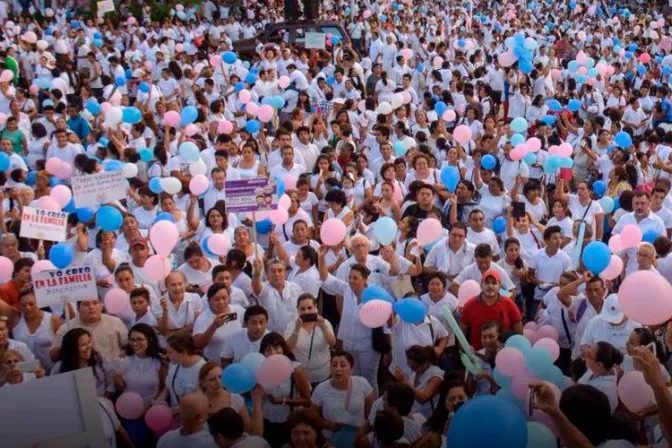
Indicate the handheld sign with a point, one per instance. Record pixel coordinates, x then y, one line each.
251 195
64 285
43 224
105 6
315 40
95 189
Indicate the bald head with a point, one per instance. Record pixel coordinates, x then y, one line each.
194 407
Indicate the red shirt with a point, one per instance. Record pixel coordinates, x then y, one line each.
475 313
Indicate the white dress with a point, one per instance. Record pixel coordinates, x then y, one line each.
141 376
181 381
249 173
38 342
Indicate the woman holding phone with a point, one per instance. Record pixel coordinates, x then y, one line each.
310 338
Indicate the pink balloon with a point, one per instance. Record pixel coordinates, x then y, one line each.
375 313
614 269
546 331
265 113
48 203
550 345
219 244
148 65
164 236
159 417
284 202
290 181
52 165
61 194
157 267
274 371
130 405
332 232
252 109
518 152
407 53
634 391
244 96
521 384
283 82
611 70
631 236
191 129
531 335
615 244
6 76
429 231
506 59
171 118
531 325
533 144
646 297
34 89
448 116
592 81
582 71
601 69
6 268
622 52
565 150
279 216
179 48
581 58
407 97
198 184
30 37
41 266
64 171
437 62
116 301
105 107
510 361
131 20
555 74
462 134
644 58
224 127
215 60
468 290
591 10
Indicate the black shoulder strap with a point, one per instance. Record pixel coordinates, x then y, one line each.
431 330
564 325
172 383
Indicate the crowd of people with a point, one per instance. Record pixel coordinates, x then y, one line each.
530 131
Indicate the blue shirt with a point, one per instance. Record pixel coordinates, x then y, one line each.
79 126
666 106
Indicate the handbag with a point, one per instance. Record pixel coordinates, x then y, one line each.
401 285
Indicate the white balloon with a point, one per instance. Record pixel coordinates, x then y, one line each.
113 116
42 44
130 170
170 185
197 167
409 142
385 108
397 100
60 47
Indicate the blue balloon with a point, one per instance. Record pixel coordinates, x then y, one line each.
573 66
30 178
599 188
120 81
376 292
554 105
574 105
97 35
41 83
410 310
581 79
240 85
229 57
596 257
517 139
538 361
111 165
499 224
75 23
502 380
206 249
331 81
278 102
164 216
61 255
251 78
488 162
549 119
488 421
607 204
518 124
53 182
131 115
109 218
385 230
4 162
566 162
128 73
335 40
461 43
145 154
641 69
253 126
104 141
519 342
593 72
93 106
525 66
70 206
530 158
144 87
623 140
190 152
440 108
420 68
399 148
189 115
650 236
450 177
253 361
263 227
85 214
155 185
238 378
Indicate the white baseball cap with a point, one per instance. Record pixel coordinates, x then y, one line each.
611 310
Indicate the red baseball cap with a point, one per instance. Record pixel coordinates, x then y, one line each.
491 273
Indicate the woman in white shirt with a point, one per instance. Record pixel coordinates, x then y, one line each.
36 328
560 218
216 221
185 365
425 378
10 375
310 338
438 298
600 361
384 88
219 320
148 209
344 401
143 370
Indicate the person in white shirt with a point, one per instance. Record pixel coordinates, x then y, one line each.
548 264
194 411
611 325
601 359
62 149
219 320
451 255
479 234
278 296
247 339
288 165
177 309
483 261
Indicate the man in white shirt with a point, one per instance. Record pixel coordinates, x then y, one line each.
451 255
479 234
62 149
278 296
483 262
194 411
216 192
247 339
611 325
307 149
288 166
548 263
657 200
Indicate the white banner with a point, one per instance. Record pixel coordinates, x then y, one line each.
105 6
315 40
64 286
95 189
43 224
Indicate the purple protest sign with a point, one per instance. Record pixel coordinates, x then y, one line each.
251 195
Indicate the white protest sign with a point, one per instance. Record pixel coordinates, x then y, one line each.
315 40
96 189
64 285
106 6
43 224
